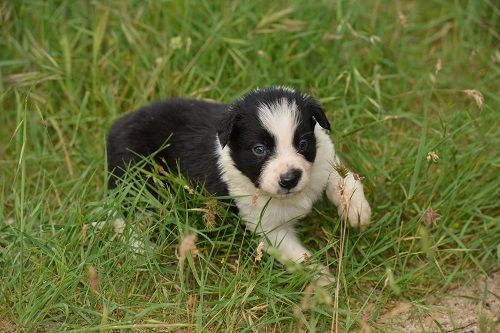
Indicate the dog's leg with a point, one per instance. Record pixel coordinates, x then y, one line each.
290 248
345 190
288 244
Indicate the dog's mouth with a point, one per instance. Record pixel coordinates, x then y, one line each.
284 195
279 192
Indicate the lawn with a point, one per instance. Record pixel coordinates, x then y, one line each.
411 89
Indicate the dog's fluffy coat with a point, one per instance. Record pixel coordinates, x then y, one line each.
269 150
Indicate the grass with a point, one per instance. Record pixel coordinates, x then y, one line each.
391 77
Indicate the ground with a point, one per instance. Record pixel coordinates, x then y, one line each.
411 90
473 307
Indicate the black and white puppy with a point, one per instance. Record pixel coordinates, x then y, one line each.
269 150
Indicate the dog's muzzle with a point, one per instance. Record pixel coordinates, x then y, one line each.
290 179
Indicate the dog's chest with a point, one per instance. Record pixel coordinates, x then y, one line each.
268 214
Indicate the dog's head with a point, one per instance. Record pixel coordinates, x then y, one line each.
270 134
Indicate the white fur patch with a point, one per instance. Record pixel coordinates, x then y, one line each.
281 120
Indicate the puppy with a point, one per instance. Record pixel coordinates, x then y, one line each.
269 150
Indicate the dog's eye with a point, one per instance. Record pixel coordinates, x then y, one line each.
303 144
259 150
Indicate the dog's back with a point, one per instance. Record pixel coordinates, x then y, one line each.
187 129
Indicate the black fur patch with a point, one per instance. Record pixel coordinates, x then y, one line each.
191 128
305 131
247 132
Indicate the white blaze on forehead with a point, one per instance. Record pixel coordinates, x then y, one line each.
281 120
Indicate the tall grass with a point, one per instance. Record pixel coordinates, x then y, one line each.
411 88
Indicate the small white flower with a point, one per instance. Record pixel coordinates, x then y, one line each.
432 155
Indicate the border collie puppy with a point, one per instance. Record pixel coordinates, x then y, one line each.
269 150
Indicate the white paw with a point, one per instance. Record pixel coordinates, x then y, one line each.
325 280
358 212
347 194
324 277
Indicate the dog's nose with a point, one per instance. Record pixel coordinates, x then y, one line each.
290 179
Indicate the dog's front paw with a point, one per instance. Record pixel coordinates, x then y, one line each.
357 211
325 280
348 195
324 277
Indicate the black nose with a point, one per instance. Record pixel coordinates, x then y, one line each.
290 179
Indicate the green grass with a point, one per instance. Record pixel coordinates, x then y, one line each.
69 68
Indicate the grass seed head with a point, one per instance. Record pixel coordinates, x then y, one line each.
161 170
432 156
191 302
189 189
439 66
430 217
341 169
260 247
403 20
476 96
391 282
83 232
211 212
187 245
93 279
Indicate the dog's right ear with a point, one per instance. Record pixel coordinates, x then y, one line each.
226 126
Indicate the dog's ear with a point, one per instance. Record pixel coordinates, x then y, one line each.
319 115
226 126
